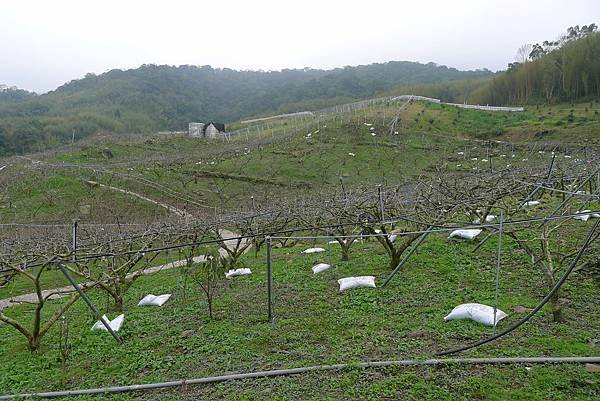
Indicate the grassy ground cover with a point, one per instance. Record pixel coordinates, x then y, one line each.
316 324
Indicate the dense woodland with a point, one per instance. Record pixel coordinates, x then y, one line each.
562 70
153 98
566 69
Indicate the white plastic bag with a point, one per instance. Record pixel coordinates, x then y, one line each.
586 217
488 219
583 217
321 267
466 234
154 300
356 282
531 203
238 272
313 250
478 312
114 324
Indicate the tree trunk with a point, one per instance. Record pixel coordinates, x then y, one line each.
256 250
118 303
33 342
557 315
345 252
395 260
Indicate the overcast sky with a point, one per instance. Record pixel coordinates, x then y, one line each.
44 43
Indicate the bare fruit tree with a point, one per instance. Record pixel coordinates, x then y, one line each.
121 264
32 266
208 273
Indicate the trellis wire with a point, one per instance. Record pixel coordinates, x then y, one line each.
441 228
215 241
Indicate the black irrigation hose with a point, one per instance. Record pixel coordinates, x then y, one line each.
305 369
543 302
241 237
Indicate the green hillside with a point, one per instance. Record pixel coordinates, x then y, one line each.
295 166
287 157
152 98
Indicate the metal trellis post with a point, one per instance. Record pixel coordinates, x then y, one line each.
74 238
381 207
89 303
269 280
409 254
498 267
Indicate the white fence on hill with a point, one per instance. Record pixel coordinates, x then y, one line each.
354 106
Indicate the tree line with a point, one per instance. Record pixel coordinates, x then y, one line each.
562 70
565 69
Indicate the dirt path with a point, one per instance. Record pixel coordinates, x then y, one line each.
178 212
56 293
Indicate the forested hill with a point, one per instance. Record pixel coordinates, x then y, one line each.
152 98
566 69
563 70
13 94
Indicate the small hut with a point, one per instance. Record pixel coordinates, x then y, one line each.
208 130
214 130
196 130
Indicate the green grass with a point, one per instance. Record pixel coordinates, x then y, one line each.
316 324
54 278
263 165
63 196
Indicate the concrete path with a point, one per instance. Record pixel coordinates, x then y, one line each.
56 293
178 212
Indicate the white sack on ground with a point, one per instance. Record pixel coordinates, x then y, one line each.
238 272
321 267
356 282
586 217
478 312
531 203
466 234
154 300
313 250
114 324
488 219
583 217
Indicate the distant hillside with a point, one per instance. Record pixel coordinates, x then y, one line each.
12 94
447 91
152 98
567 69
